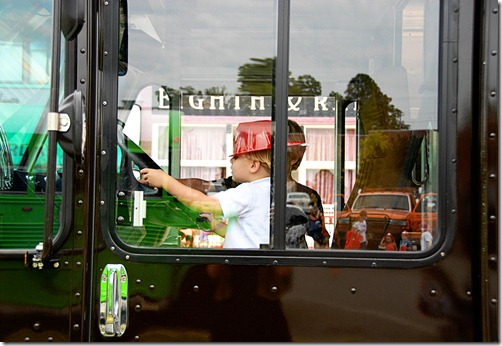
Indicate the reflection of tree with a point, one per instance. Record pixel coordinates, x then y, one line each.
174 94
339 97
376 110
386 144
256 79
216 90
375 145
304 85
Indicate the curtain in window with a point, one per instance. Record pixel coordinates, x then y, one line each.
321 144
206 173
323 182
203 143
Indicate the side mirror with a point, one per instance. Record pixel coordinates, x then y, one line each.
71 135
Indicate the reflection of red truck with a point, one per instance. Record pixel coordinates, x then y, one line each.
391 211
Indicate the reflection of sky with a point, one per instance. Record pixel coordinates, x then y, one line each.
331 40
205 42
202 43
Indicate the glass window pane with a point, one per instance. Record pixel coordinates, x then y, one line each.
362 95
196 69
25 41
364 88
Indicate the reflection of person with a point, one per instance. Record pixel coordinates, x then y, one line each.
316 230
246 207
296 224
388 243
361 226
314 223
405 244
296 228
426 237
353 239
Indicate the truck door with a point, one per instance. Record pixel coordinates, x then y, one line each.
41 287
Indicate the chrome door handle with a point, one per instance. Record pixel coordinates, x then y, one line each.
113 315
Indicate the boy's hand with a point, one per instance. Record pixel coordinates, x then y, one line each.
152 177
217 225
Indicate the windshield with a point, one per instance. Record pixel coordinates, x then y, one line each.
394 202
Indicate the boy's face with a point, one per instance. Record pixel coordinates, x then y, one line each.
240 168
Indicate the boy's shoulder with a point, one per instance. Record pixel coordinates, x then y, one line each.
247 187
264 180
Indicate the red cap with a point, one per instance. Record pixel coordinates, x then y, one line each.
255 136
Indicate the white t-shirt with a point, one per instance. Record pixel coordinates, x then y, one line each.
361 227
424 239
247 208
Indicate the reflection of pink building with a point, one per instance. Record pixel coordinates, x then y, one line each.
206 139
318 165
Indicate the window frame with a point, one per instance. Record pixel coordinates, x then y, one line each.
35 150
278 255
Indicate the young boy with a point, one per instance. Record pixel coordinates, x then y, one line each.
360 226
405 244
247 206
296 150
426 237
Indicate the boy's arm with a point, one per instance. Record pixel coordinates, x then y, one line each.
198 184
186 195
217 225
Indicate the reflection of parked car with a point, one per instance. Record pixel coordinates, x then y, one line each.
390 211
301 199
